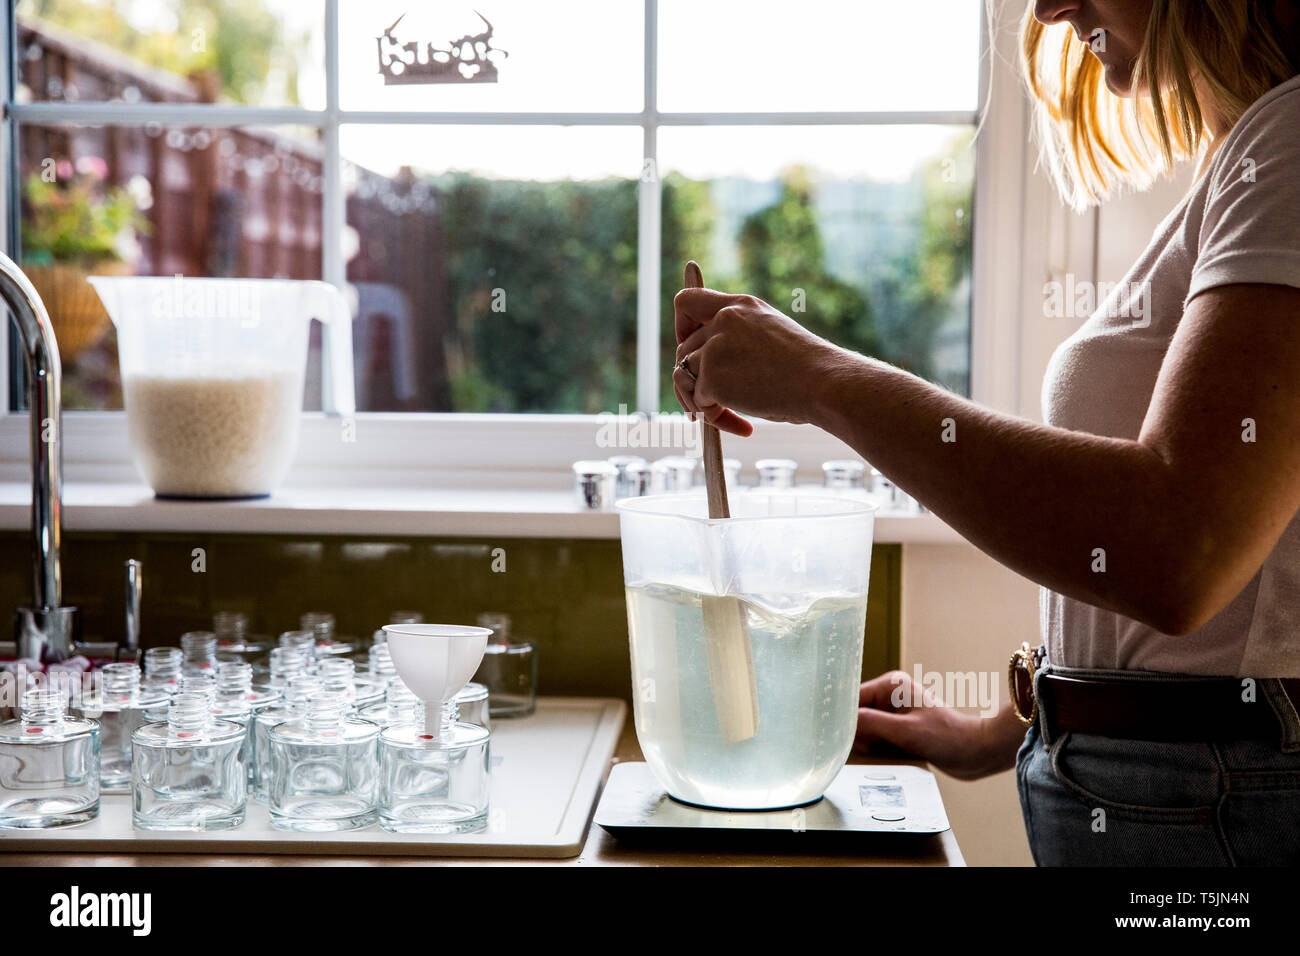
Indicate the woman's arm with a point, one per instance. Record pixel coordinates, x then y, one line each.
1184 516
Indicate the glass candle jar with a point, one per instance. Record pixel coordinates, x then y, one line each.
121 707
508 670
299 692
434 782
188 771
162 669
49 765
200 650
324 769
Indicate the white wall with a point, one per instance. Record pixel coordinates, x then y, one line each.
962 611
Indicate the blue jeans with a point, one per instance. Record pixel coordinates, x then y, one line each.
1100 801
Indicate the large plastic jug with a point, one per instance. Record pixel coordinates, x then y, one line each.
798 565
212 376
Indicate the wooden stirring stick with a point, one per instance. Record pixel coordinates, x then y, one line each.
726 632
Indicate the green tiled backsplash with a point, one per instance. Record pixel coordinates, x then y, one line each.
564 594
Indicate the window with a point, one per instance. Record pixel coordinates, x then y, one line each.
509 246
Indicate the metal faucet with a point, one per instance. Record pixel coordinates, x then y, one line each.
46 631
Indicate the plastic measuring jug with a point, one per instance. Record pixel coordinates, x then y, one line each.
799 566
212 376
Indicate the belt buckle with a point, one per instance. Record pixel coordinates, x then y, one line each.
1020 682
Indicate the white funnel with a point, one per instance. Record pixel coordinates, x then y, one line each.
435 661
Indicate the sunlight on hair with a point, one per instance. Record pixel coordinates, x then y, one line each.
1096 144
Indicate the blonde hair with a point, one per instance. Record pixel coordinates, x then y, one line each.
1096 144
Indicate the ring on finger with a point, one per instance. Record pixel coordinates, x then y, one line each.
686 368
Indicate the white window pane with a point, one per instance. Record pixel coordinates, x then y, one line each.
559 55
770 55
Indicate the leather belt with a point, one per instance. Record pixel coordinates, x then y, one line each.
1210 709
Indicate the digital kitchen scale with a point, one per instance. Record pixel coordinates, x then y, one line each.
866 803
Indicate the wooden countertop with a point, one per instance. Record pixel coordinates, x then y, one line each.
600 849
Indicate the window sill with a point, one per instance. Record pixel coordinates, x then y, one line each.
428 511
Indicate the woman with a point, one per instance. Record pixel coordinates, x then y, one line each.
1158 504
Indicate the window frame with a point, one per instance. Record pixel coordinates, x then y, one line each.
518 446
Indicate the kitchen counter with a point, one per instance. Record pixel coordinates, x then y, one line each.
600 849
449 511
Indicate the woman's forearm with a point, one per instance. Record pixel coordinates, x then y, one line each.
1090 517
1003 735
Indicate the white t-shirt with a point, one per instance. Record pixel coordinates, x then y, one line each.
1239 223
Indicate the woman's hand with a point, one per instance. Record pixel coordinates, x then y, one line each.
745 356
961 745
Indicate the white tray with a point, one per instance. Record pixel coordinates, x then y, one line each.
546 772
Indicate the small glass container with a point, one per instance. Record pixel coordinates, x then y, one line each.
324 769
237 700
474 706
381 669
321 624
299 692
627 483
122 706
203 685
285 663
672 473
338 676
399 706
235 696
637 480
304 642
595 484
434 779
200 650
508 670
233 639
731 468
776 473
845 478
162 669
844 475
189 771
49 765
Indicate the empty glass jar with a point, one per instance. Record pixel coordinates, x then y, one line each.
776 473
189 771
399 706
200 650
120 707
233 639
324 769
508 670
322 627
304 642
299 692
162 668
49 765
